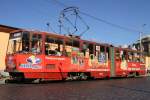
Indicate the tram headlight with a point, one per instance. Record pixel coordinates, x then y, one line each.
11 62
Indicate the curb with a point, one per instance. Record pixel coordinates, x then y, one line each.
2 80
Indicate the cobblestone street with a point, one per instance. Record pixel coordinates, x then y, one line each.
113 89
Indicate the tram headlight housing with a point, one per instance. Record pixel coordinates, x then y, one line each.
10 62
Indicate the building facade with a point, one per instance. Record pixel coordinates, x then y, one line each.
145 46
4 36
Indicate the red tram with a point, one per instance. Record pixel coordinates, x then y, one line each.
48 56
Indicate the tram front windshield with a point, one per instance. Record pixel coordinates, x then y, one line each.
24 42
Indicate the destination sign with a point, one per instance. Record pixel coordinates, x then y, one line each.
15 35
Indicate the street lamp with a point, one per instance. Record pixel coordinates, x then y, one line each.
48 24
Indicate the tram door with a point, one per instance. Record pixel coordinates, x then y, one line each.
112 62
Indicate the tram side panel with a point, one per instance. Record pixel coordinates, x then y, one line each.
136 68
57 67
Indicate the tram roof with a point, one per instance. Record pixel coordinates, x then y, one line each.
62 36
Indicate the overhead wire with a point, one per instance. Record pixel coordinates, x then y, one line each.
42 13
100 19
109 23
59 3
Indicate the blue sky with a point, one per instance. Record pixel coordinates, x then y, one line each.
34 14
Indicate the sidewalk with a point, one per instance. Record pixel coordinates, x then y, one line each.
148 74
2 80
3 77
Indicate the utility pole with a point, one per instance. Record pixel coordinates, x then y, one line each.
140 41
141 47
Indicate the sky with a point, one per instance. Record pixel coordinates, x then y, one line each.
34 14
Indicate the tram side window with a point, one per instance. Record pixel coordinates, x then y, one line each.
36 45
25 42
16 44
117 55
97 48
85 49
103 56
91 51
53 46
72 46
138 57
123 55
102 49
107 53
68 48
142 58
134 57
130 56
